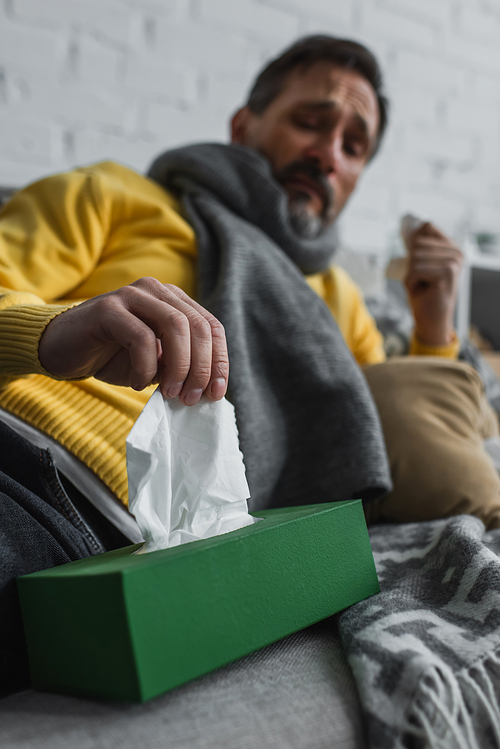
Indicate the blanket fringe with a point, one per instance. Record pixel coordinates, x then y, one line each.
456 711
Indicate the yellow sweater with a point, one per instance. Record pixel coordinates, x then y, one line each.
76 235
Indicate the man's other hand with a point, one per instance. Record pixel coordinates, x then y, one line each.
432 282
140 334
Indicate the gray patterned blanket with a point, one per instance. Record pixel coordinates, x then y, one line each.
425 652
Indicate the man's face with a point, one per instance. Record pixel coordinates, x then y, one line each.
318 134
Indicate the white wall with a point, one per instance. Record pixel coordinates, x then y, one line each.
83 80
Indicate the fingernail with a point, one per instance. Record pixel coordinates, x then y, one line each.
218 388
192 397
174 390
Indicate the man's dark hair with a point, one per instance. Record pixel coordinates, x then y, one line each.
305 53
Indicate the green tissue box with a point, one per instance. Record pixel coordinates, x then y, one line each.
129 627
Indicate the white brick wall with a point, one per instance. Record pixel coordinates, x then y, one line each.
83 80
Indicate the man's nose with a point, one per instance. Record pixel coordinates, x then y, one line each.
326 152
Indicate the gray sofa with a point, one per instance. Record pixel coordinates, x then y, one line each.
296 694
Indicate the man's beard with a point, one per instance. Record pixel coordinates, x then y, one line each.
305 222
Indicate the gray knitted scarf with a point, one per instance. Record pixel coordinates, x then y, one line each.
308 427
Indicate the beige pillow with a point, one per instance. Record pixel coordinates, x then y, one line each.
435 417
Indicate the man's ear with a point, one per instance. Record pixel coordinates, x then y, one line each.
239 126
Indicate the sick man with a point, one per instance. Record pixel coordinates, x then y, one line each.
214 276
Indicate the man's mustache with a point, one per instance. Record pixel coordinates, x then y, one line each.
315 174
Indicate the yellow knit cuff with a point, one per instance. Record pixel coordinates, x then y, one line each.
450 351
21 327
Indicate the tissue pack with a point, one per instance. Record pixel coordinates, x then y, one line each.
130 627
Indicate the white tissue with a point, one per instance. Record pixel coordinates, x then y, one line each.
409 225
186 475
398 267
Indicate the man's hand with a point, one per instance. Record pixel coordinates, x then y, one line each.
140 334
432 282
